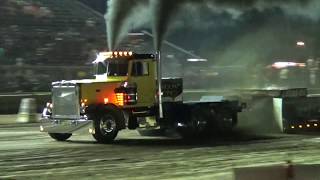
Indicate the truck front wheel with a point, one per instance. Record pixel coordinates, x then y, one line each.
60 136
106 125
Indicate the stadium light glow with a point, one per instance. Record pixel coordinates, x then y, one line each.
197 60
281 64
300 43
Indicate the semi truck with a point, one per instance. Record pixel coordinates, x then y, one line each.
128 91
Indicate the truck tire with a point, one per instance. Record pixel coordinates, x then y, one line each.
106 125
234 120
224 123
60 136
197 125
203 123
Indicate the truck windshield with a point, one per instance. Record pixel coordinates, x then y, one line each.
117 67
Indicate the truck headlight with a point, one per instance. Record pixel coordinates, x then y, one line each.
83 106
47 111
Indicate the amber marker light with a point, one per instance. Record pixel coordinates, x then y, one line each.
106 100
120 99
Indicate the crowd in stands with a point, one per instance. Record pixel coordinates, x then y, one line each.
40 33
48 32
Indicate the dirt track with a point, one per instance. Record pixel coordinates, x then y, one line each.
27 153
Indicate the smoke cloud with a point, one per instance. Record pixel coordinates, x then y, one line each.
165 10
119 16
122 14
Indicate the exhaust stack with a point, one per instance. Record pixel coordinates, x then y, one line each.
159 77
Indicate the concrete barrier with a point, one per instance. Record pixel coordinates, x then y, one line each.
27 111
13 100
277 104
279 172
263 115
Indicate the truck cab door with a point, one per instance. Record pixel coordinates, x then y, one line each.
142 73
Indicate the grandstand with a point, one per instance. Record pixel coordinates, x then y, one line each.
40 38
49 32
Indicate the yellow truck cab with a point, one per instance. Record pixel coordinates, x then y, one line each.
120 77
129 92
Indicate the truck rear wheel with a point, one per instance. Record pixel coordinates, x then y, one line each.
205 123
60 136
197 125
106 125
226 122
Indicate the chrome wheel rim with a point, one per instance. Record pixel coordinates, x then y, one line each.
107 124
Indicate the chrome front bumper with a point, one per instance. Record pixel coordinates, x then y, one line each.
63 125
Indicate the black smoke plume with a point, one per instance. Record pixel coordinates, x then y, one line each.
118 17
165 10
162 12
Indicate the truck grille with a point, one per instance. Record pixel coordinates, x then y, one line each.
65 101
